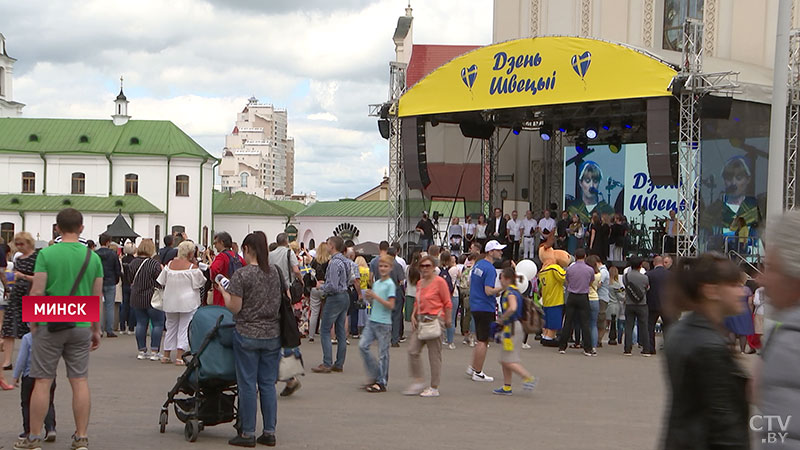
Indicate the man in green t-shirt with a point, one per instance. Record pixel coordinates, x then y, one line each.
57 268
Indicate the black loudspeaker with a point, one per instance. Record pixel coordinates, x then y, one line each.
384 128
713 107
477 130
659 162
415 157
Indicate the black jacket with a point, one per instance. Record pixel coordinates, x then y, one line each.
490 229
708 408
658 279
112 269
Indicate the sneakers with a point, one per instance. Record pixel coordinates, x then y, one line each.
79 443
50 436
143 355
429 392
311 340
267 439
627 354
403 339
451 346
242 441
466 340
470 371
562 352
647 355
27 443
110 334
501 391
415 389
528 385
525 346
472 342
156 356
480 376
587 354
291 388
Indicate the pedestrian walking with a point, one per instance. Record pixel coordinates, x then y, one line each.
334 313
382 298
482 303
319 265
13 326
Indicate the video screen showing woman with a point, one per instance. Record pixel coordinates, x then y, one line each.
589 198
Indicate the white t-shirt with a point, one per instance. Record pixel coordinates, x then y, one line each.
548 224
279 258
528 226
469 229
513 229
454 272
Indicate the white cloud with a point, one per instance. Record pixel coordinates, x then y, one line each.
196 62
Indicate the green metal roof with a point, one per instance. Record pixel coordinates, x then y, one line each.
293 206
129 204
240 203
347 208
84 136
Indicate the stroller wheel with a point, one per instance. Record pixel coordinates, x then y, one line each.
191 430
162 421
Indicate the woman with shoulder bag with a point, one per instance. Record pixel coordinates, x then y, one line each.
182 280
254 297
433 303
146 269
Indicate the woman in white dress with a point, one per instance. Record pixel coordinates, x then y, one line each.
182 280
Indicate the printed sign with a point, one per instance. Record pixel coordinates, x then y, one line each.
60 309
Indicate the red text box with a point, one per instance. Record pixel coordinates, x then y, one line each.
60 309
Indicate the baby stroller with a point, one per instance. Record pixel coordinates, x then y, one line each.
209 380
455 245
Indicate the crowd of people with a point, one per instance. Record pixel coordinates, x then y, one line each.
706 308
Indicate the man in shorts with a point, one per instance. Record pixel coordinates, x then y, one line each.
483 304
57 268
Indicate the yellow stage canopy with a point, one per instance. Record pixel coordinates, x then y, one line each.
538 71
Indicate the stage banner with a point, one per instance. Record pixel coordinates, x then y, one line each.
538 71
642 198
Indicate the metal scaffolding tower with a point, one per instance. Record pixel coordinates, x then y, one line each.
793 125
397 226
489 160
690 85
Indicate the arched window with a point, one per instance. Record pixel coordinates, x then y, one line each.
78 183
182 185
131 184
2 79
7 233
28 182
244 176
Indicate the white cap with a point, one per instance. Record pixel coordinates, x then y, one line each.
494 245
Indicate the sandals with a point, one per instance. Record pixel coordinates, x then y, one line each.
179 362
165 360
375 387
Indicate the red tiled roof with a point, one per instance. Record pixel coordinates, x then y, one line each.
426 58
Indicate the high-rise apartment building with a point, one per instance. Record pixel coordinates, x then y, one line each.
259 156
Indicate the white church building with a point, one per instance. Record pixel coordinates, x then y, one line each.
149 170
8 107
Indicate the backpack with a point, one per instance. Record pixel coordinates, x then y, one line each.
464 281
532 317
444 273
633 292
234 263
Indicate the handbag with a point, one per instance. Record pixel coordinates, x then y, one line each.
290 366
290 333
157 300
296 288
55 327
428 328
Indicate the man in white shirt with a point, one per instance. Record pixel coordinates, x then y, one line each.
513 230
547 225
671 228
528 227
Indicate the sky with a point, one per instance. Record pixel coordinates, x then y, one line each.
196 62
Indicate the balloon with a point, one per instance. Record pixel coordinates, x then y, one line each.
528 268
522 282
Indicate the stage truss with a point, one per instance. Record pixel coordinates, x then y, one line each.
690 85
397 226
793 125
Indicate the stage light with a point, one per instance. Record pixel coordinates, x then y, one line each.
434 122
563 128
516 129
581 144
545 133
615 144
591 132
626 124
606 126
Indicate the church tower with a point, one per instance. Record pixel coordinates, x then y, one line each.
8 107
120 115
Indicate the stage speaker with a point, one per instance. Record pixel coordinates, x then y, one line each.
415 157
477 130
659 161
713 107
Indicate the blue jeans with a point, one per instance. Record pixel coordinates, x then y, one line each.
127 320
397 317
143 318
451 332
594 310
334 313
382 333
109 294
257 363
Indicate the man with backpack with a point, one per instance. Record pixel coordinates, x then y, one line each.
636 286
225 263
